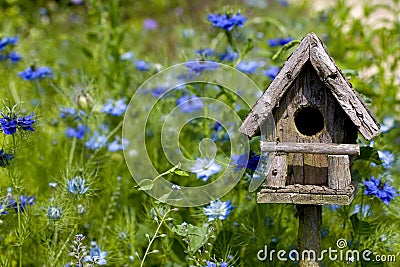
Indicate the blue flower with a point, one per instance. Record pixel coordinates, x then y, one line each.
96 141
204 168
150 24
188 104
218 210
26 122
8 41
271 72
127 56
211 264
77 186
206 52
116 108
142 65
54 213
380 189
388 123
247 66
71 112
387 158
158 91
23 202
13 56
279 41
8 124
198 67
33 73
5 158
117 144
78 133
229 56
246 161
227 22
96 255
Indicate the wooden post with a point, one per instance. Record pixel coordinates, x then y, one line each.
309 234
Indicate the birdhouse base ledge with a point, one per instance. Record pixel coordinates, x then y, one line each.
308 194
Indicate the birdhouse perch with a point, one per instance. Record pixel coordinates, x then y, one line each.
317 117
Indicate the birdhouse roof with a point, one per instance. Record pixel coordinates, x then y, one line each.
312 50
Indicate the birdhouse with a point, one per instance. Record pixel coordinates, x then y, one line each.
317 117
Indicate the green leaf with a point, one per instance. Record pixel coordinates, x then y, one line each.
360 227
181 173
197 236
370 154
146 184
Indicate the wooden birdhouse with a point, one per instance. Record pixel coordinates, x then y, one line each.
317 118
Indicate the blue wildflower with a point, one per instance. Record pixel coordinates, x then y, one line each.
142 65
198 67
388 123
158 91
77 186
77 132
227 22
248 66
54 213
211 264
13 56
387 158
8 124
218 210
96 141
365 210
116 108
26 122
206 52
246 161
204 168
229 56
271 72
188 104
150 24
219 134
8 41
96 255
23 202
71 112
380 189
117 144
279 41
127 56
33 73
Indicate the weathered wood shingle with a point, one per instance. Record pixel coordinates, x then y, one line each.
312 50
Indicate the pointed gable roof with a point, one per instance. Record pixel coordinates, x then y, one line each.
311 49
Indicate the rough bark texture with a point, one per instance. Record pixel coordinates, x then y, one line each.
308 194
277 176
309 234
339 176
311 148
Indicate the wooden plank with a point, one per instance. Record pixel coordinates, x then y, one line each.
312 199
311 148
311 189
339 176
332 77
276 178
276 89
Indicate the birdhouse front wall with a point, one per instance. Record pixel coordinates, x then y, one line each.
309 113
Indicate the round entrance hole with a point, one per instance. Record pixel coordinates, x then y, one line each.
309 121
